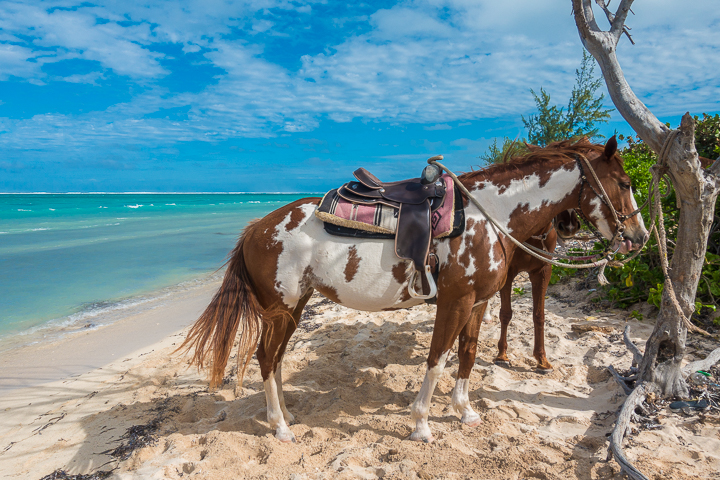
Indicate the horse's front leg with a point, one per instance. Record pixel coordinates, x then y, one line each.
466 352
540 280
450 319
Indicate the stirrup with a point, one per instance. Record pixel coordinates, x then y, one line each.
431 282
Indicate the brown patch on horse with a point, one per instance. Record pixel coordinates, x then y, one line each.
296 216
399 273
352 265
310 280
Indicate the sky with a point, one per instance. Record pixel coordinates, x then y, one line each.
276 95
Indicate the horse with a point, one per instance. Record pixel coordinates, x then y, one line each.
564 226
282 258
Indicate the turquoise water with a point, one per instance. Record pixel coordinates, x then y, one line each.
66 257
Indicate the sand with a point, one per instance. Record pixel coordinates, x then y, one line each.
350 378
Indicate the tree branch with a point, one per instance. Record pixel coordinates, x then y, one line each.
637 397
715 168
602 46
708 362
620 380
617 22
637 356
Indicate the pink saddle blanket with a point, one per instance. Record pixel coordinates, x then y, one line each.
382 218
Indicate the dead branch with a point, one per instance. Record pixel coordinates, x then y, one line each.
602 45
611 18
715 169
620 380
636 398
708 362
637 356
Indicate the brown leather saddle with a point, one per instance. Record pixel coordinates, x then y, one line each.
415 199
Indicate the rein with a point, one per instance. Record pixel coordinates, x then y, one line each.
545 256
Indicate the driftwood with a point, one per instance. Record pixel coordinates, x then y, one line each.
660 368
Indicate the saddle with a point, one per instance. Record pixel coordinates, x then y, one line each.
412 203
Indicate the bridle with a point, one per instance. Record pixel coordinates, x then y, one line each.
620 218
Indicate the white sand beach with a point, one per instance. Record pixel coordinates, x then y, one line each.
350 378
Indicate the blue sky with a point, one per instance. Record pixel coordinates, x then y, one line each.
293 95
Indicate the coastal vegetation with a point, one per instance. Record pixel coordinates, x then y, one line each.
641 279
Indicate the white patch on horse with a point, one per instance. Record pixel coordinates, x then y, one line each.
461 402
639 217
308 247
599 219
421 406
275 415
520 193
289 417
465 244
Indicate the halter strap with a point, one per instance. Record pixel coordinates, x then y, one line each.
619 218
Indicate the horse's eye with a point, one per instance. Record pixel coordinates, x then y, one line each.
625 186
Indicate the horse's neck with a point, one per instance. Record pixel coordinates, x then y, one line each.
524 200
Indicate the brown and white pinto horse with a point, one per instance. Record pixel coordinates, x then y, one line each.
564 226
280 259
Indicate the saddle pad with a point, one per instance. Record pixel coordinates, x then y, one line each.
380 218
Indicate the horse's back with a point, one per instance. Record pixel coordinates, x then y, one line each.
288 252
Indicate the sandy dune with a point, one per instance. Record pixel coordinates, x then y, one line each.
350 378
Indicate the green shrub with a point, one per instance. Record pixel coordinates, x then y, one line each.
641 279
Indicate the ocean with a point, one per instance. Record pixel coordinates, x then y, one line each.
73 261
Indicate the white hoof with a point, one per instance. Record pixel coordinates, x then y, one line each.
425 437
416 437
471 420
285 435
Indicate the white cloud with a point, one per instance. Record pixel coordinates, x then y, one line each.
416 64
14 61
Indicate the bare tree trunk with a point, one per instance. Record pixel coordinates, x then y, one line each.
696 190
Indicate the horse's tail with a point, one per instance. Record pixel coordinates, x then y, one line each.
235 303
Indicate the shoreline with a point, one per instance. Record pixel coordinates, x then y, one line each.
109 336
100 314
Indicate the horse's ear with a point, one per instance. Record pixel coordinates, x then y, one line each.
610 148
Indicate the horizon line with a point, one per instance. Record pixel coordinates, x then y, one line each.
161 193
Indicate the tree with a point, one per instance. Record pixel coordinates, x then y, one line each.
502 153
660 368
584 111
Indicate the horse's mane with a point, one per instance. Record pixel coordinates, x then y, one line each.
563 151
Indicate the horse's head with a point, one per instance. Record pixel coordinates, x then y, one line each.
629 232
566 224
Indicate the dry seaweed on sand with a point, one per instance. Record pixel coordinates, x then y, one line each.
60 474
137 436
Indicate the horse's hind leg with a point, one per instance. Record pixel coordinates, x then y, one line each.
466 352
276 332
540 280
289 330
451 318
505 317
